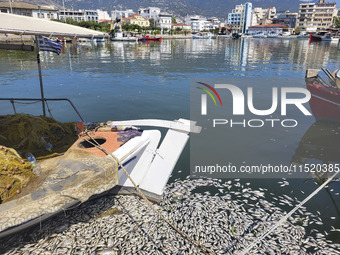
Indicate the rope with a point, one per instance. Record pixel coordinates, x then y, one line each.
49 110
247 250
197 243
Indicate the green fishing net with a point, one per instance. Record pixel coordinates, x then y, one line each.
22 133
27 133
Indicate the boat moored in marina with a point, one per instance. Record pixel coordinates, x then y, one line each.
260 35
110 157
202 36
303 35
273 35
325 100
321 36
235 35
120 36
149 38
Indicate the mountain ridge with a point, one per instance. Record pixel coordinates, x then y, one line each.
217 8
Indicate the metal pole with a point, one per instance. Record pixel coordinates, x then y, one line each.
64 11
40 78
10 5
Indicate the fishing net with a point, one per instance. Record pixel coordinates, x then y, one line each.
22 133
27 133
14 173
76 177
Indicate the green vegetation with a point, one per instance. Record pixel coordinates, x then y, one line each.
223 31
297 30
336 22
173 20
103 27
152 24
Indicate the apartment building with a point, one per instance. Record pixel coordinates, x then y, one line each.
70 14
260 16
31 10
150 12
286 18
316 16
164 21
240 18
119 14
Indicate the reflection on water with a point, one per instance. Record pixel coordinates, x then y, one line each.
247 54
321 142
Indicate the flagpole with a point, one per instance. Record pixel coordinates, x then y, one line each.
40 78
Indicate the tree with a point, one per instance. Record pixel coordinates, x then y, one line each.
173 20
297 30
223 31
336 22
152 24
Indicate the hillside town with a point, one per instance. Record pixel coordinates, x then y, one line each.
244 18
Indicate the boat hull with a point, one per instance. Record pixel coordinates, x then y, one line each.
325 102
315 37
146 38
84 172
124 39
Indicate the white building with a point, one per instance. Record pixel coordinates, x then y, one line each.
207 25
91 15
119 14
103 15
74 15
31 10
164 21
215 22
196 22
181 26
260 16
150 12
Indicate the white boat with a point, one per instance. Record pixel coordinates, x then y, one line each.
119 36
89 168
97 42
273 36
260 35
202 36
303 35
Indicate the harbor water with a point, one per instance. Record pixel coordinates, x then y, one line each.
123 81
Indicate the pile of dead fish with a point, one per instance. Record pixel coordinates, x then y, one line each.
225 222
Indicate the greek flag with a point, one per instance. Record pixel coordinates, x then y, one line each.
49 45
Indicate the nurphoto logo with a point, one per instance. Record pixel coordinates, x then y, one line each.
288 96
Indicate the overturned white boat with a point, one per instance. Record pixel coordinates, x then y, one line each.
92 167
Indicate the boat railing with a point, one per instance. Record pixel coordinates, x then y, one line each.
13 100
